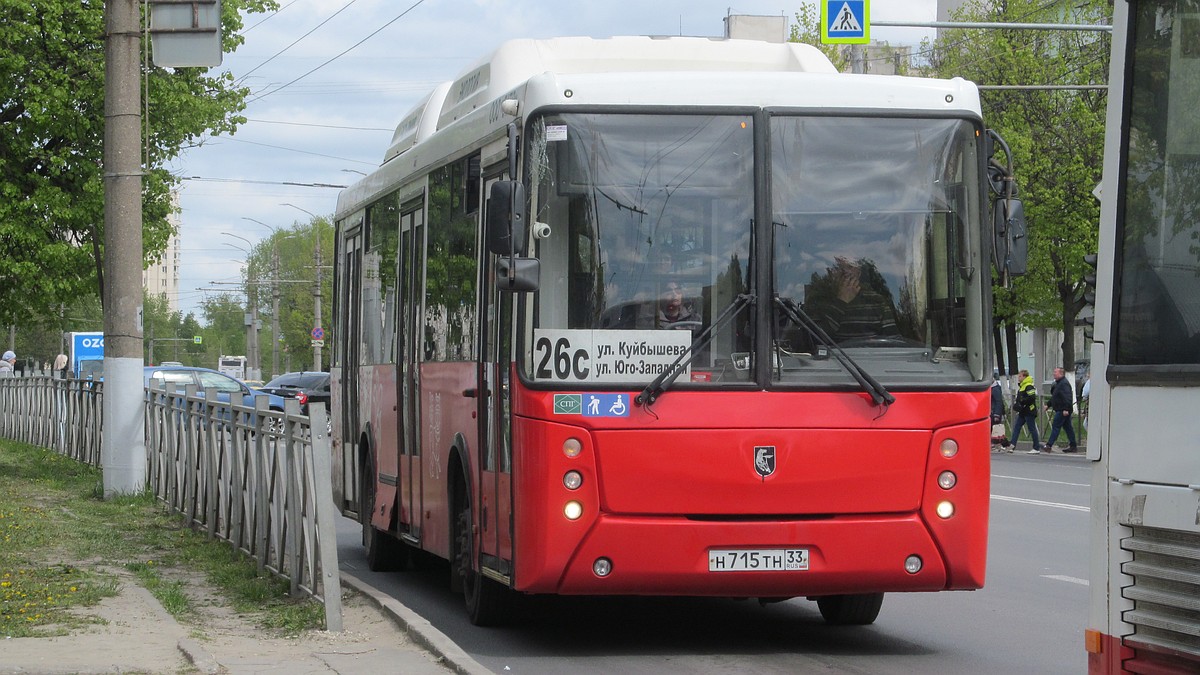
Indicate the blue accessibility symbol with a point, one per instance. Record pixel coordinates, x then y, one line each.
606 405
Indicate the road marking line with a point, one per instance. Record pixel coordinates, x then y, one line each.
1069 580
1038 502
1041 480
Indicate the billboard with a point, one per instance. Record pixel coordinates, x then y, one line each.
87 354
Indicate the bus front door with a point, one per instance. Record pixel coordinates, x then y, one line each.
494 456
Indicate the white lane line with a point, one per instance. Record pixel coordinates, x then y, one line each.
1041 480
1038 502
1069 580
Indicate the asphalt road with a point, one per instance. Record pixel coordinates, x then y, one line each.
1028 618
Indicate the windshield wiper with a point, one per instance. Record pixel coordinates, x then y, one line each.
879 394
659 385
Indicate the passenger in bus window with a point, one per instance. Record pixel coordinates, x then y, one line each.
675 311
851 301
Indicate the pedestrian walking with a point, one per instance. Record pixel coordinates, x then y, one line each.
1060 404
1025 409
8 363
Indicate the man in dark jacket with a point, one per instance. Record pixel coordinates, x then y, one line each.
1060 403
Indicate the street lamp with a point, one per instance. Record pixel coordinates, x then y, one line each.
275 336
252 318
317 330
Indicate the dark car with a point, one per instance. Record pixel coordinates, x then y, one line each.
204 378
306 387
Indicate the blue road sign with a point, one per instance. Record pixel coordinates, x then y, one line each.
845 21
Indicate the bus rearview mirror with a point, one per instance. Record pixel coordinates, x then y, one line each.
506 218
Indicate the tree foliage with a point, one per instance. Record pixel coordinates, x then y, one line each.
807 30
296 283
51 144
1056 138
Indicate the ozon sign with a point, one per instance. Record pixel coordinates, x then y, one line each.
86 347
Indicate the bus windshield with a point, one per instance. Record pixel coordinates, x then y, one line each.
870 234
644 225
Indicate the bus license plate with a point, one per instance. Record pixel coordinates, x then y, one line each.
758 560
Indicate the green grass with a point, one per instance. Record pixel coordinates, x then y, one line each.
60 541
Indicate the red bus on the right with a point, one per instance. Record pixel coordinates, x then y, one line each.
1142 436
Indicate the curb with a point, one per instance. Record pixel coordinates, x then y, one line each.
418 628
198 656
193 651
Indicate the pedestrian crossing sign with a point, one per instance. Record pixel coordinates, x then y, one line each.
846 22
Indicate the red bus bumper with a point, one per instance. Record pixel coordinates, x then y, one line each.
663 556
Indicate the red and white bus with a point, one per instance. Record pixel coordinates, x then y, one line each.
673 316
1145 513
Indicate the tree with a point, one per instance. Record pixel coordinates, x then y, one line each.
1056 138
296 282
226 331
807 30
51 132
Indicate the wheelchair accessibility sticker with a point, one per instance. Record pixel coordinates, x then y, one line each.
592 405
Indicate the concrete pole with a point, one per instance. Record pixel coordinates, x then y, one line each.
275 312
254 367
317 297
123 446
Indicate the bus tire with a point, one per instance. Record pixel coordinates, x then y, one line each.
384 552
850 610
487 601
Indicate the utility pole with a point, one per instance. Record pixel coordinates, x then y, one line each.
252 326
275 310
123 446
317 299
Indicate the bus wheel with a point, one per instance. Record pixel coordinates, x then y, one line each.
384 553
850 610
487 601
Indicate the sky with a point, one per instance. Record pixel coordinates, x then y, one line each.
330 79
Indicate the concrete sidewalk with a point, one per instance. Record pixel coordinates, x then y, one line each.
138 635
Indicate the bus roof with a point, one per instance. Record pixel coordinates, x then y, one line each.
646 72
516 61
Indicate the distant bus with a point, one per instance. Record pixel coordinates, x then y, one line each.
233 366
669 395
1145 361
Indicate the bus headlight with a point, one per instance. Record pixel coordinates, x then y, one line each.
945 509
913 564
572 447
572 480
949 447
573 510
947 480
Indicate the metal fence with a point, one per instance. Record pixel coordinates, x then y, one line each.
61 414
256 478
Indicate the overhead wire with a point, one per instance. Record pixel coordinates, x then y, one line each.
297 40
268 17
373 33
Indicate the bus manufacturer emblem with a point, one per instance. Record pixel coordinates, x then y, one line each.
764 460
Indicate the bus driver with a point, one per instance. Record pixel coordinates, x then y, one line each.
674 311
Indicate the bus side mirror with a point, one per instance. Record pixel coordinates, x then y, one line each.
506 218
518 274
1009 236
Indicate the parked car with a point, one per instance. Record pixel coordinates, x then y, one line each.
306 387
205 378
